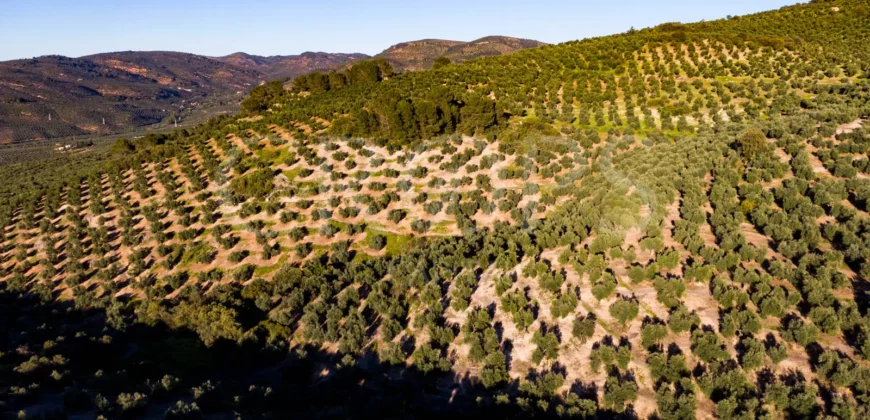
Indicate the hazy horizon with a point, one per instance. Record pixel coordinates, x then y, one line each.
219 28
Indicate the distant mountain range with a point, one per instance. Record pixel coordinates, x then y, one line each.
406 56
55 96
290 66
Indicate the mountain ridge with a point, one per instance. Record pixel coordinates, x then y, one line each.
290 66
57 96
421 54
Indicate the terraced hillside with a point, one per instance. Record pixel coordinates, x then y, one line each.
682 238
670 78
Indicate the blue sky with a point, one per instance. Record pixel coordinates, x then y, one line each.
74 28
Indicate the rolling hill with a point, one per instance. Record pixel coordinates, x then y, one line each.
290 66
58 96
671 222
419 55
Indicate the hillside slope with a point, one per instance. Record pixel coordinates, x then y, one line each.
109 92
419 55
416 55
489 46
657 78
668 223
290 66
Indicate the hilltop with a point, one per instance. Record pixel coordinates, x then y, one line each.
290 66
671 222
110 92
420 55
